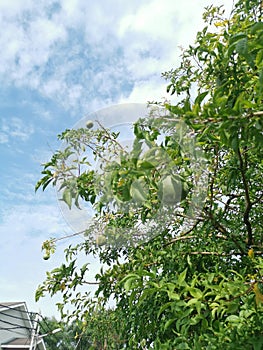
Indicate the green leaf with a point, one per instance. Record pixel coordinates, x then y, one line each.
174 109
168 323
173 296
165 307
260 80
138 131
128 280
256 27
233 319
235 143
182 346
237 37
192 301
199 99
67 197
242 47
147 293
196 293
39 293
145 165
181 278
259 58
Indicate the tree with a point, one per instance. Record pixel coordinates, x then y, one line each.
183 275
58 340
95 333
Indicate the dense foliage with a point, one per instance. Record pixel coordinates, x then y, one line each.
178 218
96 332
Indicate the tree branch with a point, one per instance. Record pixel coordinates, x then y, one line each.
218 226
247 198
68 236
181 238
183 235
210 253
213 179
90 283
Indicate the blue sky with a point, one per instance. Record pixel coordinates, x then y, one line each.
60 61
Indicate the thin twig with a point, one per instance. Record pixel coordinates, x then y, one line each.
183 235
90 283
111 138
68 236
213 180
257 113
257 200
181 238
210 253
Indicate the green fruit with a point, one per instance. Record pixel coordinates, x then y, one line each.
46 256
100 240
138 192
170 190
89 124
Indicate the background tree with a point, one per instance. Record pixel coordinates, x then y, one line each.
197 282
96 332
69 337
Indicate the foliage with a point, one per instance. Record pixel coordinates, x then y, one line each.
64 339
95 332
183 276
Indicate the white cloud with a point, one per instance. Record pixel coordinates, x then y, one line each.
14 7
3 138
23 229
16 128
147 91
152 37
76 51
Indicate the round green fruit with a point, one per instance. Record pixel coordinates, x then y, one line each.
89 124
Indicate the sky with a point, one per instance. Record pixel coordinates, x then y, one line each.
61 61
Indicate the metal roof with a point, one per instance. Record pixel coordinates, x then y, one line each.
10 304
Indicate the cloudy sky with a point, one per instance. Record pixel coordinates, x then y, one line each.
61 60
